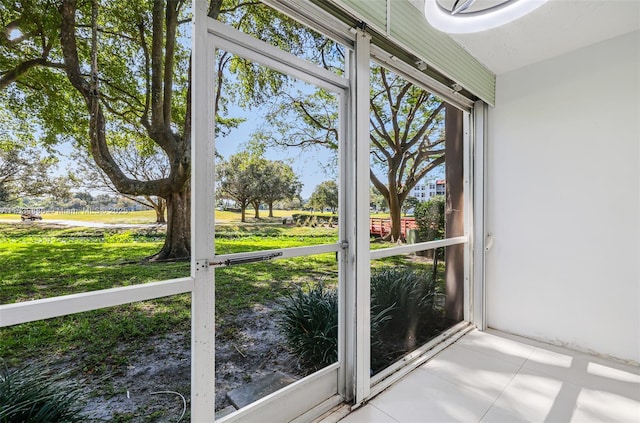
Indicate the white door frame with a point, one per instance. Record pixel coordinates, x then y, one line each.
317 392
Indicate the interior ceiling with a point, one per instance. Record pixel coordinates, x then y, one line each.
555 28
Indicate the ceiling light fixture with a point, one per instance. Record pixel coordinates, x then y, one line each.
467 16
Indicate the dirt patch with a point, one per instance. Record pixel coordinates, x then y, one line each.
249 348
148 388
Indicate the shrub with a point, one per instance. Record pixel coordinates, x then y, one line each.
430 219
32 394
431 223
406 310
404 292
309 321
307 219
413 304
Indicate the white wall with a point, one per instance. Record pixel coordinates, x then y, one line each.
564 200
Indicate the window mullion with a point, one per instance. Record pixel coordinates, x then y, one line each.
202 220
361 251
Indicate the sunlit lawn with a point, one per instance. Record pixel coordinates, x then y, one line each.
149 216
135 217
42 261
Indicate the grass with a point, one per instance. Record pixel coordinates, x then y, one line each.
136 217
42 261
149 216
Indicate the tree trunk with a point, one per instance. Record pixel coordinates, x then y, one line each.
256 207
243 212
159 207
395 213
177 243
174 189
160 214
271 209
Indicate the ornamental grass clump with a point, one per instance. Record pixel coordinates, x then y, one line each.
407 294
32 394
406 310
309 321
413 303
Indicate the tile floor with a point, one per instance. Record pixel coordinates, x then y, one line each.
494 377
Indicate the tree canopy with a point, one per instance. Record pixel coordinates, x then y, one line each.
250 179
406 132
107 74
325 195
26 172
279 182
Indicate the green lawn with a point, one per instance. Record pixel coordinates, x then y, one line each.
43 261
136 217
149 216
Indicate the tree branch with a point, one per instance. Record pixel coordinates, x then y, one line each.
157 112
105 31
144 120
11 75
382 188
171 21
423 129
99 148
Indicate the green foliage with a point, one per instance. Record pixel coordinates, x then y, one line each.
247 84
407 293
412 302
407 132
278 182
406 309
239 178
309 320
430 219
33 394
40 262
118 237
25 171
249 178
410 203
324 196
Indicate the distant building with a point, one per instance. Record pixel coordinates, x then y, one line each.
423 192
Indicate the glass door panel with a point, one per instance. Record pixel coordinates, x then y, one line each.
277 231
408 304
416 196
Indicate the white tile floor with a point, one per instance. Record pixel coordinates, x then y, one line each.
494 377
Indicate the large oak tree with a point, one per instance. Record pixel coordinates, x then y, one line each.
88 71
406 133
